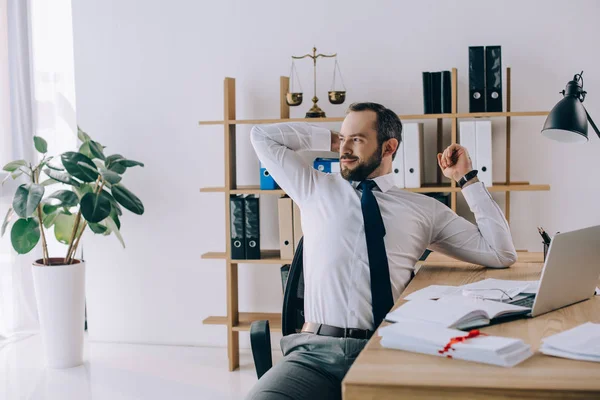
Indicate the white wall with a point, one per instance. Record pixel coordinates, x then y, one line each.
147 71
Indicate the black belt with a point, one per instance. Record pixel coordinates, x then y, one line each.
328 330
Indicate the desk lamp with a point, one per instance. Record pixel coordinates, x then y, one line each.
567 122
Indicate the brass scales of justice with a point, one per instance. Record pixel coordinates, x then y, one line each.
293 98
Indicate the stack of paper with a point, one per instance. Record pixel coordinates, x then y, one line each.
427 338
579 343
491 289
455 311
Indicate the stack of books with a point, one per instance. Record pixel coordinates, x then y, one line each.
428 338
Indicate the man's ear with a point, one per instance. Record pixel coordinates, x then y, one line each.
390 146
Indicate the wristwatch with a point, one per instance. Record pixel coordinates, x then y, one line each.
468 176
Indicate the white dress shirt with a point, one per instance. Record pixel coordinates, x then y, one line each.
336 265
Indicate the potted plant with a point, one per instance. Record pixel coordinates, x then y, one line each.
92 198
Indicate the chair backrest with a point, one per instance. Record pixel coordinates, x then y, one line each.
292 315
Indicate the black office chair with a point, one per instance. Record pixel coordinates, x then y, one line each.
292 316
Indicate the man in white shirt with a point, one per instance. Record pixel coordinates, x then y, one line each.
362 239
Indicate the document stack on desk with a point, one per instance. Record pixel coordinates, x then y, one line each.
579 343
427 338
455 312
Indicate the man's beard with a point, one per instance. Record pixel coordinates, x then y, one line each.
363 168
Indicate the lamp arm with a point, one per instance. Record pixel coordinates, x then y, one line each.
592 123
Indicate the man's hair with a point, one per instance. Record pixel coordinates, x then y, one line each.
387 124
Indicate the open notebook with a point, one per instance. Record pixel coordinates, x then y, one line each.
427 338
458 312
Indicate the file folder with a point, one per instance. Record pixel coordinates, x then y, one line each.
493 78
413 155
297 226
266 180
476 79
436 90
427 94
252 227
483 132
286 231
398 166
238 251
446 92
467 140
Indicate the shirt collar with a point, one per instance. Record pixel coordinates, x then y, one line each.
384 182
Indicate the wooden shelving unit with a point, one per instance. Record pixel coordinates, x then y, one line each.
236 321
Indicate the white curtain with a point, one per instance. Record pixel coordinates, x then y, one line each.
36 60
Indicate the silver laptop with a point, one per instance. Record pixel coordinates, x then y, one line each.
570 273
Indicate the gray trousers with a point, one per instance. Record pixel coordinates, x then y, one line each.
312 368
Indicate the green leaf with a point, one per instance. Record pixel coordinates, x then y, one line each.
110 176
84 189
25 234
55 164
63 177
127 199
113 165
27 198
95 207
67 198
129 163
96 149
115 217
14 175
14 165
113 227
97 228
40 144
85 149
63 227
49 182
7 219
79 166
84 137
50 219
50 208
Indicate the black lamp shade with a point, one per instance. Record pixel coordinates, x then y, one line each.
567 122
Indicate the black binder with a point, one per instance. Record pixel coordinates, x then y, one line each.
252 228
476 79
427 94
493 78
237 227
446 93
436 90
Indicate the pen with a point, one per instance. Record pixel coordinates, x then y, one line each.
545 236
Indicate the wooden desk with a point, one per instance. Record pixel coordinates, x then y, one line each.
381 373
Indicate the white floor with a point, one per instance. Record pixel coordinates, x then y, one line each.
125 371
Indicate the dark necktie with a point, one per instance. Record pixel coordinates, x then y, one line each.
381 288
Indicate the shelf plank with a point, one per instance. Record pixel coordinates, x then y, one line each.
503 114
266 257
426 188
246 319
436 259
402 117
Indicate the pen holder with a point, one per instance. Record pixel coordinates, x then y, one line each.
545 250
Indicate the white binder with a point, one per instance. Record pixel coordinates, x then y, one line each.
467 140
413 155
398 166
483 131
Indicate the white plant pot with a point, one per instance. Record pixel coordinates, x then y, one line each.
60 296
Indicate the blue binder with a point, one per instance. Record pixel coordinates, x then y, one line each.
327 165
266 180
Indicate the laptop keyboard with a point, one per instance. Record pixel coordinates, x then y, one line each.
525 302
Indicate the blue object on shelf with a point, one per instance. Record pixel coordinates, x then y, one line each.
266 180
327 165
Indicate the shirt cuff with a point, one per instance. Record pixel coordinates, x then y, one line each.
321 138
475 193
